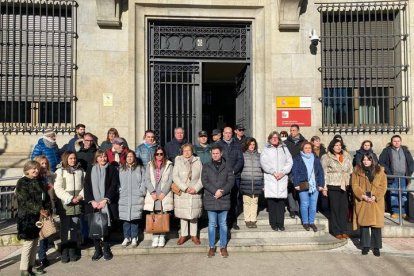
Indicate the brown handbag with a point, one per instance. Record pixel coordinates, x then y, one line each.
47 227
175 189
157 223
304 186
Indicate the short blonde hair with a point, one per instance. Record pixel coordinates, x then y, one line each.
31 164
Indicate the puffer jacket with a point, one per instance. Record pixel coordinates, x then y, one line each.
252 178
165 185
68 185
52 154
276 160
131 193
145 153
337 174
187 206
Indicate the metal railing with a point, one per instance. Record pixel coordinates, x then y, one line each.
400 194
8 202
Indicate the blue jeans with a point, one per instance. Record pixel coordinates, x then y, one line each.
42 249
130 229
308 202
394 196
217 218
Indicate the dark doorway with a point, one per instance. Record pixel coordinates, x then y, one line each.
220 90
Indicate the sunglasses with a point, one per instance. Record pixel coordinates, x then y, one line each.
241 129
159 154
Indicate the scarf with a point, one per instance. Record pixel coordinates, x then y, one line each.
98 185
217 164
50 143
368 173
158 170
187 163
309 159
295 139
116 155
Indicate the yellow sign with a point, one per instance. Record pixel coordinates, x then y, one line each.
293 102
108 99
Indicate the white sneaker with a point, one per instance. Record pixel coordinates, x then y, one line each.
126 242
161 241
155 239
134 242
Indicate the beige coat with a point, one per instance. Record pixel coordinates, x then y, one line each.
187 206
369 214
165 181
336 173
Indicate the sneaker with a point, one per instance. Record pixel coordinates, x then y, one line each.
37 271
134 242
161 241
126 242
155 239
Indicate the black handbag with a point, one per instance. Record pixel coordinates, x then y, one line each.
98 225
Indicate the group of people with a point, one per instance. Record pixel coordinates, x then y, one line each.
224 178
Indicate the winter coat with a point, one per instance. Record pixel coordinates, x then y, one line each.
85 156
360 153
165 186
233 155
52 154
274 160
214 179
203 152
319 153
385 159
252 178
294 148
68 185
122 157
300 172
108 145
173 148
369 214
111 191
132 192
337 174
145 153
188 206
31 197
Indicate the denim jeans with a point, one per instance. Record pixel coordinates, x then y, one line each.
42 249
130 229
394 196
308 202
217 218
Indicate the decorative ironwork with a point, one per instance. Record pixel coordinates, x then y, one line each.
199 40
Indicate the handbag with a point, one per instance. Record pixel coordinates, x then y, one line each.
304 186
98 225
175 189
47 227
157 223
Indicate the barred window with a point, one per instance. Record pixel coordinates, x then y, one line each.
37 44
364 67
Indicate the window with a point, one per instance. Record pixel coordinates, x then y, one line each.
37 44
364 67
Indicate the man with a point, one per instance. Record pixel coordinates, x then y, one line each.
79 133
203 149
47 146
215 136
173 148
233 154
145 151
117 154
85 150
293 142
397 160
240 137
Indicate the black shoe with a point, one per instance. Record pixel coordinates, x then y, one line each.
376 252
73 255
44 263
107 253
236 227
64 257
281 228
292 214
306 226
365 251
97 255
275 228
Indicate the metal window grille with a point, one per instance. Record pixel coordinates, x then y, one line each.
37 65
364 66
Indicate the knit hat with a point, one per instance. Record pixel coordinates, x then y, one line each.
49 131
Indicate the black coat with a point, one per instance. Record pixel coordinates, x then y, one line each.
111 190
233 155
173 149
294 148
385 160
86 156
361 152
214 179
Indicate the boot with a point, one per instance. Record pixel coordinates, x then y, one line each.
64 255
73 254
107 253
98 250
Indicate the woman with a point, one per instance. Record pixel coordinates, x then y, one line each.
276 163
366 148
317 147
110 135
69 189
218 180
251 183
145 151
131 197
33 200
308 168
188 205
369 184
101 193
159 196
337 165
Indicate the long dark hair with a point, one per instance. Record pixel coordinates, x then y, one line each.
332 145
153 162
375 167
124 167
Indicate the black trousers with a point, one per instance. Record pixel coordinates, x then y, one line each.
372 241
338 203
276 209
236 203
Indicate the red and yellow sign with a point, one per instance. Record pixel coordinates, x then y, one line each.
287 117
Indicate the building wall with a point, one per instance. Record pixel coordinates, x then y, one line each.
114 60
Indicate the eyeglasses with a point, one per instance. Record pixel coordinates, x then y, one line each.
241 129
159 154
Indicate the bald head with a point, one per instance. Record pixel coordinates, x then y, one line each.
227 133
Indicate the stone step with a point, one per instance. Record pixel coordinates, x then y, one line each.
323 242
263 219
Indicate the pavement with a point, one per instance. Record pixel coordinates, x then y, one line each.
397 258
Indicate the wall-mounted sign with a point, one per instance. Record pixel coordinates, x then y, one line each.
293 102
287 117
108 99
